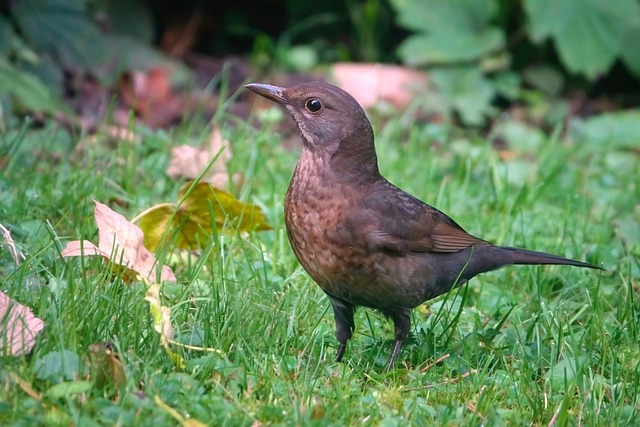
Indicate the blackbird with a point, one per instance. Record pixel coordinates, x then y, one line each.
364 241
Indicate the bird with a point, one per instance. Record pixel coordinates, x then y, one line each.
363 240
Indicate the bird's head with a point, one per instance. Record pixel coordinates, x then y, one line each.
331 121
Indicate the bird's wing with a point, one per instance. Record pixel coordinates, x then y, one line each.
399 223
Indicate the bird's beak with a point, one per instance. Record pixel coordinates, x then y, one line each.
273 93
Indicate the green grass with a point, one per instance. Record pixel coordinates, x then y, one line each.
519 346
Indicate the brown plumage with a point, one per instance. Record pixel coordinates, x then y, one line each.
364 241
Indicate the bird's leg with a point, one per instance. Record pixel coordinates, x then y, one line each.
343 313
402 324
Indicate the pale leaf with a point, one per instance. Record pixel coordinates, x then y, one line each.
18 327
190 162
120 242
371 83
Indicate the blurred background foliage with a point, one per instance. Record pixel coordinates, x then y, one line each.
480 54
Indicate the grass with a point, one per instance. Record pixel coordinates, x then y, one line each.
519 346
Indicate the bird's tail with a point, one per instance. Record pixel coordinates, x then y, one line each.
527 257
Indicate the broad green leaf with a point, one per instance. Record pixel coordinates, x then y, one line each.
448 31
565 370
619 129
63 28
7 36
628 228
630 51
133 54
521 137
588 34
68 389
58 366
507 84
47 70
444 47
27 89
132 18
432 15
466 90
545 78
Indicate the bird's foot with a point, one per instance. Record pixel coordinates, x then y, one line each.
396 352
340 352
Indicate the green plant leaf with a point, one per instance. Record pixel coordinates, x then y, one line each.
64 29
545 78
58 366
28 90
130 53
132 18
67 389
465 90
588 34
566 369
7 36
619 129
451 31
630 51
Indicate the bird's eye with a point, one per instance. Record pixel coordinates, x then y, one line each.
313 105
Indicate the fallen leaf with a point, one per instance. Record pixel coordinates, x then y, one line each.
18 327
190 162
105 365
149 93
161 316
83 248
121 243
191 220
15 252
143 90
371 83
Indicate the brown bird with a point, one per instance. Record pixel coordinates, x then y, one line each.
364 241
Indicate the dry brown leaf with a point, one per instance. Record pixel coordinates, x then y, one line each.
121 243
18 327
149 93
506 155
105 365
189 162
25 386
371 83
15 252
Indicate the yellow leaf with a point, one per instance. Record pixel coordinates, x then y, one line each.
228 210
190 223
154 222
161 315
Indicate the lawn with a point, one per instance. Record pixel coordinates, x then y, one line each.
519 346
